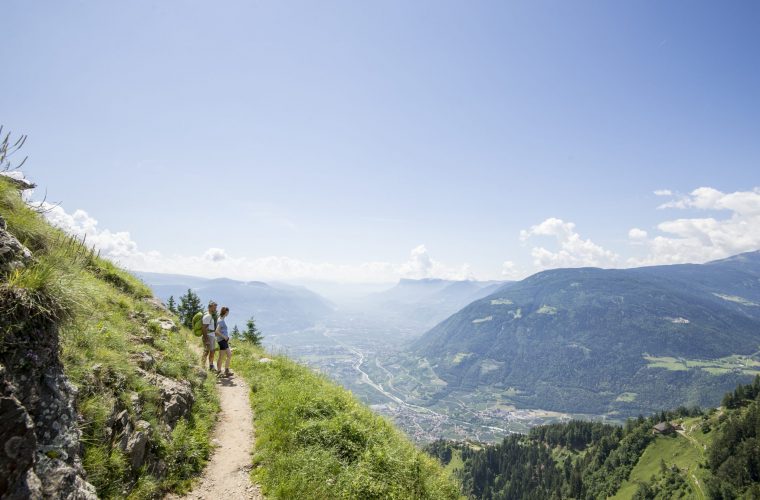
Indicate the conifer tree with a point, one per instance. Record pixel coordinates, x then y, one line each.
252 334
189 304
171 305
235 332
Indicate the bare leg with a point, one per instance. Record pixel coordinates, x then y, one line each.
210 349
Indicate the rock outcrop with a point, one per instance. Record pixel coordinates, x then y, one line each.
165 324
12 253
39 437
19 182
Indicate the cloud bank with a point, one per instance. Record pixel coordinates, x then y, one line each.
720 224
701 239
216 262
679 240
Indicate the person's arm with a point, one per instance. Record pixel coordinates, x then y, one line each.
204 328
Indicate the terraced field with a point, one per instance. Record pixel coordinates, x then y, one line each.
748 365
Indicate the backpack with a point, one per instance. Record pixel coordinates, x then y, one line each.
198 324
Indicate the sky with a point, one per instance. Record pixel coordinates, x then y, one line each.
370 141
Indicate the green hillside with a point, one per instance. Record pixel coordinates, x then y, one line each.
617 342
681 453
141 408
712 454
144 410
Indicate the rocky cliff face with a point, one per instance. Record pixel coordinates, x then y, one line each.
100 392
40 454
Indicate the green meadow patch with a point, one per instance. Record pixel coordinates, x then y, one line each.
748 365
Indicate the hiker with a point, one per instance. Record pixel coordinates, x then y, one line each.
209 335
223 337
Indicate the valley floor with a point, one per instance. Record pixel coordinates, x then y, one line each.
362 359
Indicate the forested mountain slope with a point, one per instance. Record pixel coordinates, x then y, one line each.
710 454
620 341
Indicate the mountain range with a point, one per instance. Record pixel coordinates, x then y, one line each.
606 341
277 307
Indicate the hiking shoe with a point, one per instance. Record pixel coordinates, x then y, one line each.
228 373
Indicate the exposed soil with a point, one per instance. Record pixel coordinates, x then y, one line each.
227 475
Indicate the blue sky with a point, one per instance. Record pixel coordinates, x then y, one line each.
364 141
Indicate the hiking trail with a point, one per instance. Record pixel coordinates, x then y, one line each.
228 472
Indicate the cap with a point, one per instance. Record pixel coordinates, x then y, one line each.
211 303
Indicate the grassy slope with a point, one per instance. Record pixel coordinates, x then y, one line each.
315 440
104 324
685 451
456 463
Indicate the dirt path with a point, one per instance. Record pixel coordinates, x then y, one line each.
227 475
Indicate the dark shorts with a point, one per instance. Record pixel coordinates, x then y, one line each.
223 345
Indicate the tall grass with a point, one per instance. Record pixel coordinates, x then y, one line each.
315 440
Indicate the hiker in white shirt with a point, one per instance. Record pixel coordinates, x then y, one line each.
209 335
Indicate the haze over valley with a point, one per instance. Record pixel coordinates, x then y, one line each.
503 357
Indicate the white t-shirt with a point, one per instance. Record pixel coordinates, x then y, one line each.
208 320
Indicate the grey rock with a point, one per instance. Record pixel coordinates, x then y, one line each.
19 445
40 451
62 481
139 315
165 324
156 303
177 396
137 444
144 360
136 403
161 468
13 254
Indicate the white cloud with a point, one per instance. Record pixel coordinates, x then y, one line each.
636 234
706 238
510 271
420 265
573 251
215 254
216 262
80 224
663 192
